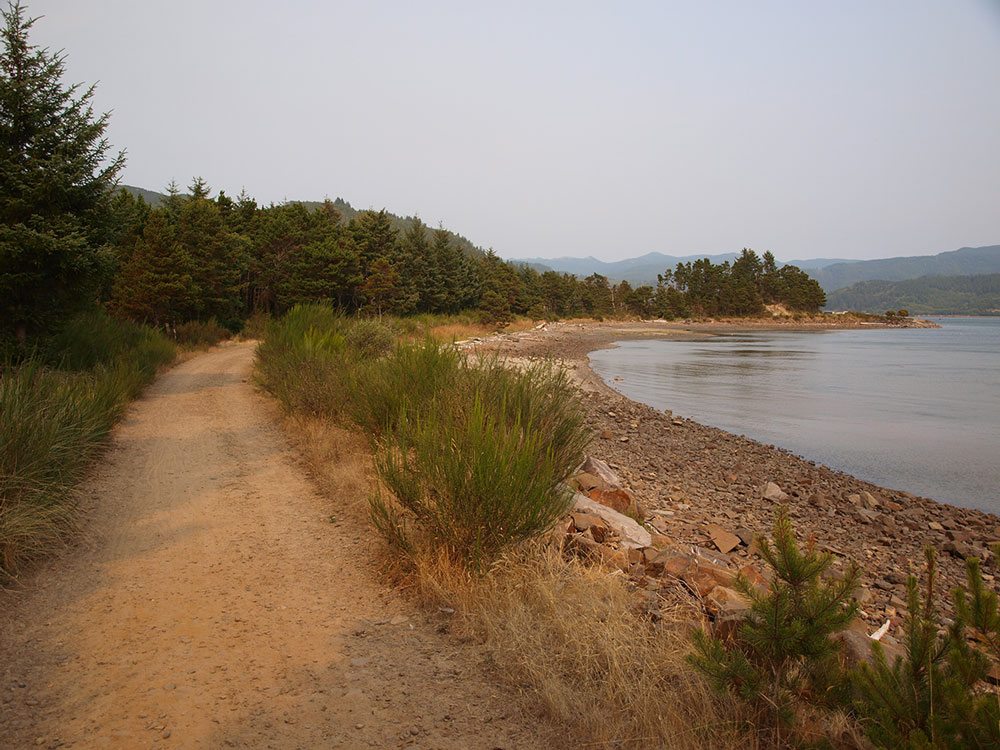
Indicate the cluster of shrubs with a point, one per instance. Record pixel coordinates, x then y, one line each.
57 406
783 662
473 454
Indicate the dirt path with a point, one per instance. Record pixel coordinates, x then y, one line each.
213 604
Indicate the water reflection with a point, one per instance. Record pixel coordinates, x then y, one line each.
914 409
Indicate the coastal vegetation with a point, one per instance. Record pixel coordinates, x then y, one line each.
474 454
467 499
56 410
928 295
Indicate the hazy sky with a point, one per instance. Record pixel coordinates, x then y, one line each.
843 128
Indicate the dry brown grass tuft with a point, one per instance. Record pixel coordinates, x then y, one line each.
449 332
338 460
569 636
564 633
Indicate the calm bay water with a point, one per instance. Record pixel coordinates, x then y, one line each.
912 409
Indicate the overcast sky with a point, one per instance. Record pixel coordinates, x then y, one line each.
852 129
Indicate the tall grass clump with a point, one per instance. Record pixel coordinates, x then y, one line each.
93 338
301 360
53 422
474 454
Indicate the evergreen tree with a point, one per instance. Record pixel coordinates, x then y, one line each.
927 698
55 184
447 293
782 652
380 290
217 262
154 284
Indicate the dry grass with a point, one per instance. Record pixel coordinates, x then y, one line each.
568 635
449 332
338 460
563 633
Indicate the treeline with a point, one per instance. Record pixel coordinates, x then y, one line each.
196 257
968 295
70 239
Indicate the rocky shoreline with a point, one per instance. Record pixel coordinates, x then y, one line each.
698 485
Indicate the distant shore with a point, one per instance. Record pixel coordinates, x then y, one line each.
692 475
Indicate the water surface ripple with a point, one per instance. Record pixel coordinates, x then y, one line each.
912 409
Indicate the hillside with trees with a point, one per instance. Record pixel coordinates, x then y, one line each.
966 261
928 295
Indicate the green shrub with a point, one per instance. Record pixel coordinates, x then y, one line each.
474 452
482 469
90 339
200 334
403 386
370 338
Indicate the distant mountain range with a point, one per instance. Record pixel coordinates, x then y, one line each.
945 295
831 273
967 261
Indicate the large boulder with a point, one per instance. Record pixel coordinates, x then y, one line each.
632 535
598 468
618 499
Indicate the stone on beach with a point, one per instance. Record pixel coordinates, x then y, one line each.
631 533
774 493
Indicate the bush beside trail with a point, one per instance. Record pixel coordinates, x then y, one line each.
474 454
56 410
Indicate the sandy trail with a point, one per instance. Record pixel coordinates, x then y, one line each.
214 604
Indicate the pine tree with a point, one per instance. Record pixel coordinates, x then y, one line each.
55 181
446 294
216 259
154 284
927 697
783 652
380 290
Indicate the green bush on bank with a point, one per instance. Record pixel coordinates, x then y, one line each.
53 422
200 334
474 453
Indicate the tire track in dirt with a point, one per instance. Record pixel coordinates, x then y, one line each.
212 604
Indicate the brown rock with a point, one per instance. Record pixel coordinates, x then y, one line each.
706 577
725 541
617 499
725 601
583 521
585 482
774 493
674 564
600 533
596 467
756 578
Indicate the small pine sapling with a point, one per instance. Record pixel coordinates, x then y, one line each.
928 696
782 654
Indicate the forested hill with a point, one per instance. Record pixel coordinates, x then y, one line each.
970 295
967 261
399 223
